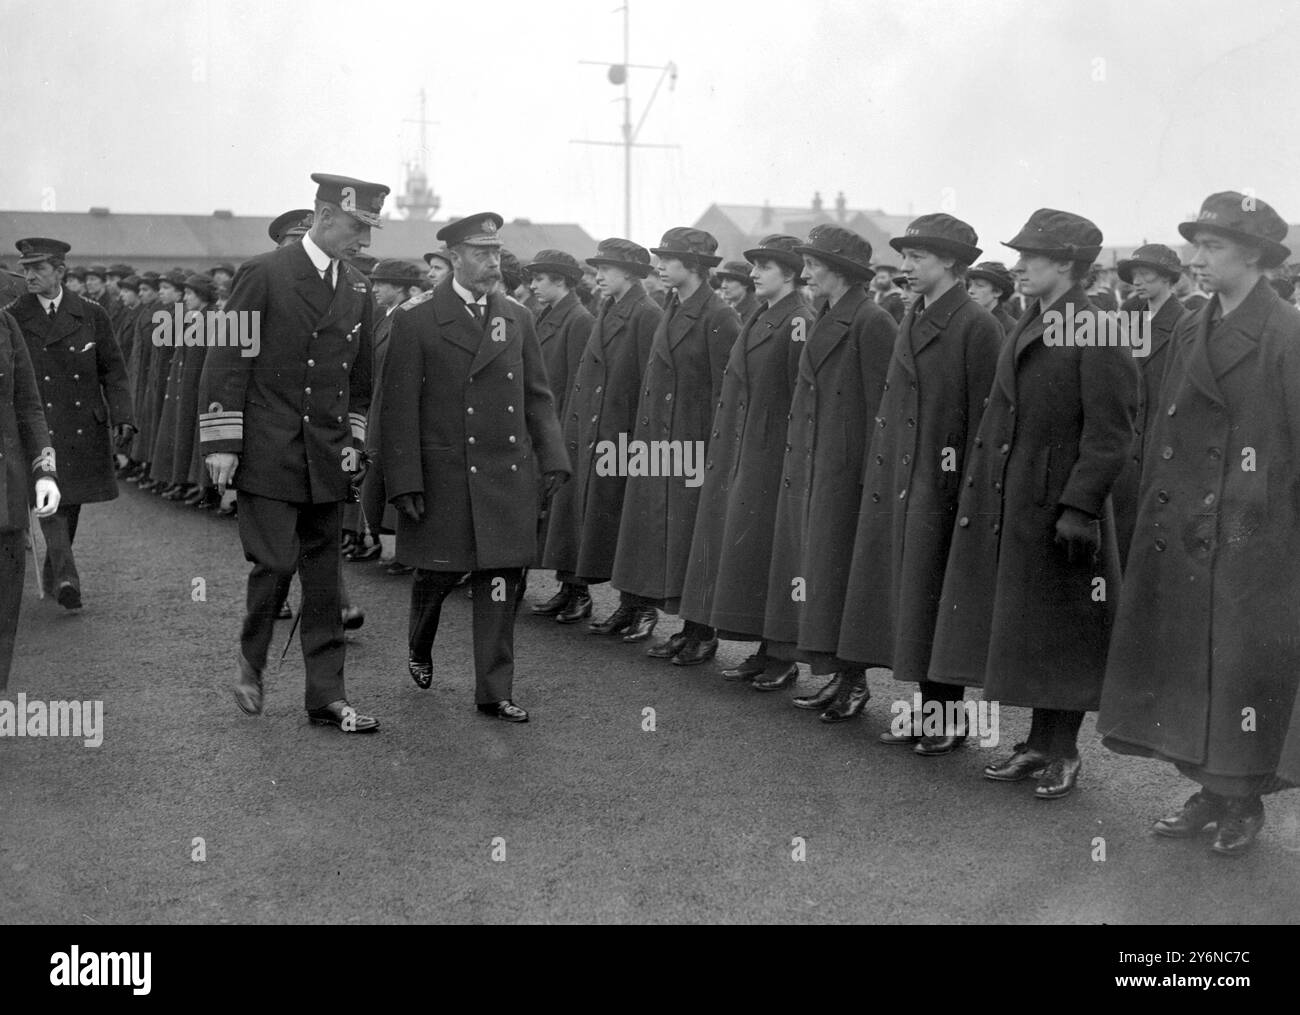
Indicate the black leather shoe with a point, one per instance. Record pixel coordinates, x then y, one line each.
667 649
829 692
421 673
937 747
579 608
505 710
69 596
361 554
1239 826
344 716
642 626
353 617
196 497
616 623
751 669
1058 778
1023 763
1201 809
557 604
248 688
848 704
695 652
177 491
397 569
778 681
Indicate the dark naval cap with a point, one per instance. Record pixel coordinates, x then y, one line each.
1245 219
687 244
363 201
617 252
482 229
842 249
555 262
291 223
36 249
1058 234
941 234
1155 256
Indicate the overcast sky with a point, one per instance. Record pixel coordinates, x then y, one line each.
1127 111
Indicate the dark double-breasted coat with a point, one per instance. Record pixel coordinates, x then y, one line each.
1015 616
138 369
582 533
82 381
939 377
841 377
679 393
1125 493
726 579
24 439
291 411
562 333
468 421
1210 623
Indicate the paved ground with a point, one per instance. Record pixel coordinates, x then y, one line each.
601 821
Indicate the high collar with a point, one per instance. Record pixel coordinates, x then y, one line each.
319 259
46 302
465 295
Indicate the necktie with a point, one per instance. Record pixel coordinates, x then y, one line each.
477 310
53 310
328 277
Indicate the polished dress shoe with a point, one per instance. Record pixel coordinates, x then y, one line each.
696 651
348 544
829 692
344 716
397 569
777 681
248 688
667 649
361 553
642 626
1024 763
616 623
848 704
937 747
1239 826
555 605
353 617
68 596
195 497
178 491
579 608
421 673
284 613
149 483
505 710
905 739
1201 809
1058 778
750 669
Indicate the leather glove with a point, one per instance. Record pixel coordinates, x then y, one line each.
47 497
411 505
122 434
1079 535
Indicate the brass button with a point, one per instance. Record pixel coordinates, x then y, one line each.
512 439
1160 543
1215 453
471 440
1163 496
474 469
514 468
964 522
1167 454
1209 499
470 410
306 391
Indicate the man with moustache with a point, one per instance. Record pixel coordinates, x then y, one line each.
287 428
934 394
726 579
841 377
82 383
1152 271
1030 590
563 328
682 384
582 530
471 449
1205 663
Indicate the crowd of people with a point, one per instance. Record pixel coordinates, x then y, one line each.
851 461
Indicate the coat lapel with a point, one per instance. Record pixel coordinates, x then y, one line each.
348 295
833 327
552 320
488 347
307 282
934 318
456 325
72 312
1235 338
35 322
687 314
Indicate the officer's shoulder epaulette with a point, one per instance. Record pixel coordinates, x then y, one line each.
415 301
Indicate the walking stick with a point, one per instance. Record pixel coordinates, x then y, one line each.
35 533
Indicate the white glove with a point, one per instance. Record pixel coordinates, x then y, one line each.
47 497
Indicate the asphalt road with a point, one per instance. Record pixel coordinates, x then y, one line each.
579 816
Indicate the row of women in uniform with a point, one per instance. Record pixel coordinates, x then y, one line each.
953 501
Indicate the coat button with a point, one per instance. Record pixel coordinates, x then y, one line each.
78 405
311 362
986 403
644 421
1204 543
594 418
513 439
970 480
875 498
911 422
886 385
590 445
880 459
1005 449
902 494
514 468
78 431
668 397
715 433
306 419
470 411
907 459
1163 496
1167 454
471 440
1209 499
599 389
510 408
510 376
47 377
306 391
474 469
1173 409
979 442
76 377
1160 543
345 366
787 482
1215 453
964 522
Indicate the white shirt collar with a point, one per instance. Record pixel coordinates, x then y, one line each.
318 257
46 301
466 295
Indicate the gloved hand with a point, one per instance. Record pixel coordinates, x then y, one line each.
1079 535
47 497
411 505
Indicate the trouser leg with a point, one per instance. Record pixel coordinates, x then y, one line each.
324 647
268 530
494 633
60 529
428 590
13 569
